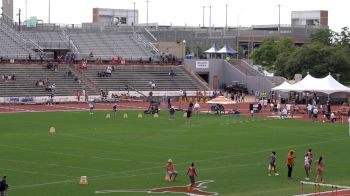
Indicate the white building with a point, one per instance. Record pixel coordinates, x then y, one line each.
317 18
119 17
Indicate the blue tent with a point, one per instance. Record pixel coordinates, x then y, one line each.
227 50
213 50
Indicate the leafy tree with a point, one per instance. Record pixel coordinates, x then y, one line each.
323 36
266 54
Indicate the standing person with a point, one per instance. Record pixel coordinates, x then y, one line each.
272 164
170 169
3 186
189 113
290 163
91 108
307 166
192 174
196 107
172 113
169 102
114 108
319 168
310 157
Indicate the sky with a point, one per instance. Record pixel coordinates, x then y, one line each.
189 12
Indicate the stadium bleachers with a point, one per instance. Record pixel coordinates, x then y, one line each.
139 77
13 46
109 45
27 75
47 40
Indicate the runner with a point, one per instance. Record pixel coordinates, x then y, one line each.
320 169
91 108
191 172
307 166
272 164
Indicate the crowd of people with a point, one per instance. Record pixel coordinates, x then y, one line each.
8 77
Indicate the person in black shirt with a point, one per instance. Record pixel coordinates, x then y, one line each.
189 113
3 186
114 111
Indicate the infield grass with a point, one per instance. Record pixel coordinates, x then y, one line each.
131 153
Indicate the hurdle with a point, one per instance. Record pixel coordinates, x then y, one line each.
317 187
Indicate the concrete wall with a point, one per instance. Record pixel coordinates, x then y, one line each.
228 73
176 48
215 69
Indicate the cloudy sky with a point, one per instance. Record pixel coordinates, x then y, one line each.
189 12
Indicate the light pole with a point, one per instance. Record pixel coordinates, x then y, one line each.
147 12
203 14
279 20
134 13
210 17
226 14
49 11
26 10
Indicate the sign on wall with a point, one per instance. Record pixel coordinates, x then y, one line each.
202 64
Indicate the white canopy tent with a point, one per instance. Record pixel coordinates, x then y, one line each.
327 85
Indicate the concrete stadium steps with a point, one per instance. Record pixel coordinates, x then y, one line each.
139 77
12 45
27 75
107 45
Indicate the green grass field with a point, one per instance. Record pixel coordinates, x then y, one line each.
131 153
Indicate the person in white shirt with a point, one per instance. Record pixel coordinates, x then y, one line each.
307 166
196 107
91 108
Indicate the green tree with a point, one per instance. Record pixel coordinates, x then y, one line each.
323 36
267 53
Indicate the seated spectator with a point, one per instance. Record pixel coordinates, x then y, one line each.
284 113
109 70
40 82
333 117
83 64
49 65
171 73
91 55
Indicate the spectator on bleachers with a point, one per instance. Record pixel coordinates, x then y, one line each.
29 57
77 79
1 59
172 73
109 70
49 65
91 55
150 60
83 64
40 82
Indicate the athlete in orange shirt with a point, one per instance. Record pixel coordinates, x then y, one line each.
290 163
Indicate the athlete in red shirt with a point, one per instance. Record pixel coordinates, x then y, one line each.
192 175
